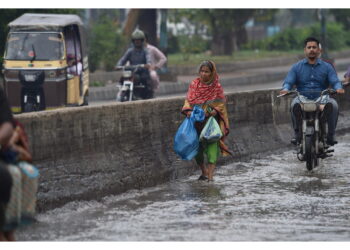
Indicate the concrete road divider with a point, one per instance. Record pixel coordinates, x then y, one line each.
90 152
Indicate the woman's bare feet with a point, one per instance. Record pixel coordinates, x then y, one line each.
211 168
10 236
7 236
204 175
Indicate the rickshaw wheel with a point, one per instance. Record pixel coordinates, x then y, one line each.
85 100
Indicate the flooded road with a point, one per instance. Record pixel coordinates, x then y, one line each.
269 199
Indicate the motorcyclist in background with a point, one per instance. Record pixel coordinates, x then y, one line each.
136 55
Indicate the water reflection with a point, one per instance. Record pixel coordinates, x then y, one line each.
199 190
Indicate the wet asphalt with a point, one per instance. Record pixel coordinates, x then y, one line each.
271 198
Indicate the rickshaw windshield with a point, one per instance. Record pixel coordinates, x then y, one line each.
34 46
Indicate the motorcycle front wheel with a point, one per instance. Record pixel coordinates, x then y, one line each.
310 153
123 96
30 107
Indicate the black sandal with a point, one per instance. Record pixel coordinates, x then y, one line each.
202 178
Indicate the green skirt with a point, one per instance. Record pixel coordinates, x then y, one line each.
211 150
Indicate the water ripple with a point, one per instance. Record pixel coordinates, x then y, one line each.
269 199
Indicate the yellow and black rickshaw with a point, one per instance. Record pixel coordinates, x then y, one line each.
45 63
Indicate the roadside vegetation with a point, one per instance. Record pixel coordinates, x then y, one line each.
242 55
205 34
283 44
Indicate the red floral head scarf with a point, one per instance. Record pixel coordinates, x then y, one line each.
200 92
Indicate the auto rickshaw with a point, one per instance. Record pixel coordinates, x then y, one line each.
45 63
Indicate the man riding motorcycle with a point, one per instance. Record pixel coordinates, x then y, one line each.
312 75
137 55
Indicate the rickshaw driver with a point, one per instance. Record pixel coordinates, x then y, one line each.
74 67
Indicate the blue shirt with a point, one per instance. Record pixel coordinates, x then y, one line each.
311 79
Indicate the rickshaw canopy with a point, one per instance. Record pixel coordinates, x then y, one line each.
29 21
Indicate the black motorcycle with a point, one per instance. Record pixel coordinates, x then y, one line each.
32 93
134 84
313 144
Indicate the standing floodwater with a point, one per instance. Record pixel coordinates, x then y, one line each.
269 199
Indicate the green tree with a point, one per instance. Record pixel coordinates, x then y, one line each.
224 26
106 43
219 24
342 16
293 38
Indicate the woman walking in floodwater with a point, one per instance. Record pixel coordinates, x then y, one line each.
207 92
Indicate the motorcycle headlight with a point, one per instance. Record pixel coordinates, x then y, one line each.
127 73
309 107
51 74
55 73
10 73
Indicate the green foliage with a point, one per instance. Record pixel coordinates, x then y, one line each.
192 45
239 56
293 38
336 38
106 44
342 16
289 39
264 15
173 44
219 24
97 84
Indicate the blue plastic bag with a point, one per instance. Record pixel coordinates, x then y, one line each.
186 141
198 114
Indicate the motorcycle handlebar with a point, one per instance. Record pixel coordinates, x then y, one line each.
329 91
324 92
290 92
130 67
